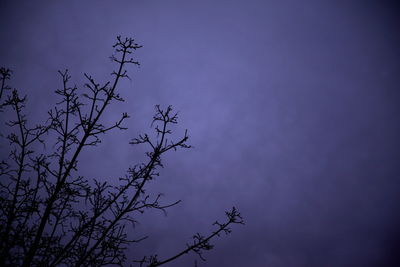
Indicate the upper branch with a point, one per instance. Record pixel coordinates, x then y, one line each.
5 74
91 127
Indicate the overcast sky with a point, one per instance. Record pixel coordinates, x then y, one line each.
291 106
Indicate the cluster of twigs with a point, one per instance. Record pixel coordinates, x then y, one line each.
52 216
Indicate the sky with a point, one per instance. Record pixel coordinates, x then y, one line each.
291 108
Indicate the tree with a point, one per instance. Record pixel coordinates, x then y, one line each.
52 216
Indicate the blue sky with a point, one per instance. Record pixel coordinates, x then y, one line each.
292 109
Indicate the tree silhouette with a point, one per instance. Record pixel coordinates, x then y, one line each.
50 215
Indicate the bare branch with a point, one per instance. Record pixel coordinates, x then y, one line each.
50 215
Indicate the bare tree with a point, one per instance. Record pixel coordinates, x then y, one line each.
50 215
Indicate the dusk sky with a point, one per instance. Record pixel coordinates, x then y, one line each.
292 108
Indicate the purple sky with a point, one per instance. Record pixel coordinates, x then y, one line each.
291 106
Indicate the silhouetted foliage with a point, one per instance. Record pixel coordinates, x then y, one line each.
50 215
